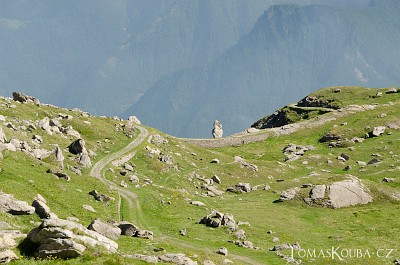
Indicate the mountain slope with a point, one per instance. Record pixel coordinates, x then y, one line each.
290 51
162 182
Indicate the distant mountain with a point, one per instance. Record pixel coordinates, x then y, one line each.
103 55
291 51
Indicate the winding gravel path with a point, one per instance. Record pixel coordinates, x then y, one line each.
97 170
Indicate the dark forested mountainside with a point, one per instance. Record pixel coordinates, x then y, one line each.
291 51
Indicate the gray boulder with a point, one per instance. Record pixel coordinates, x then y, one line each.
179 259
3 138
377 131
59 156
289 194
100 197
105 229
128 229
66 239
216 219
41 208
45 125
13 206
217 131
222 251
77 147
7 256
146 234
348 193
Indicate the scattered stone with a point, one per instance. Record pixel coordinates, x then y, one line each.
13 206
240 188
293 152
377 131
105 229
158 140
88 208
215 161
328 137
146 234
243 163
222 251
134 178
45 125
288 194
344 157
3 138
62 175
240 234
41 208
361 163
166 159
373 161
391 90
275 240
197 203
216 179
388 179
217 131
183 232
59 156
7 256
100 197
149 259
179 259
123 184
128 167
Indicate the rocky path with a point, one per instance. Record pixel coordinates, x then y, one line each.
97 172
261 135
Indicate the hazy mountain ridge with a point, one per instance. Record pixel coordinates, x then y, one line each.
290 51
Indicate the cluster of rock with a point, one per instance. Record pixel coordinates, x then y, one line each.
217 219
20 97
13 206
7 243
246 187
340 194
207 184
335 140
293 152
100 197
244 164
66 239
157 140
287 246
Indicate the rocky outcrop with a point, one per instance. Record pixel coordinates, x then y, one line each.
66 239
217 131
293 152
105 229
78 147
340 194
245 164
158 140
13 206
216 219
20 97
100 197
240 188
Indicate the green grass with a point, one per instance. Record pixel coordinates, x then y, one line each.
368 227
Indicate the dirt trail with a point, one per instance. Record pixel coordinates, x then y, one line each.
97 169
261 135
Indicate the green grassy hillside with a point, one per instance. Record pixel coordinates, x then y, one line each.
165 189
